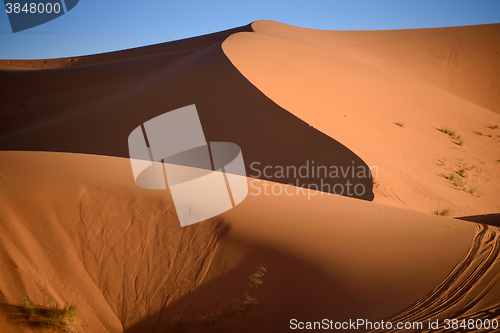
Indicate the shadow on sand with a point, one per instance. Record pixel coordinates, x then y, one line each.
92 109
227 302
490 219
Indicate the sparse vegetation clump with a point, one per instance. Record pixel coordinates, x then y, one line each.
472 190
481 133
447 131
214 317
179 324
441 212
400 124
255 280
452 134
461 176
442 162
456 180
461 173
51 316
493 127
458 183
241 305
247 302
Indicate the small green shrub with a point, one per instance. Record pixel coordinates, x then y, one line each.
441 212
472 190
461 173
402 125
255 280
448 131
480 133
452 134
249 300
456 180
214 317
52 316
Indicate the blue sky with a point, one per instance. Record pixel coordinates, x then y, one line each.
96 26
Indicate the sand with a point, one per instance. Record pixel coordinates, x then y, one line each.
355 87
75 228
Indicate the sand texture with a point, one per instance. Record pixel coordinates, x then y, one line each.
76 229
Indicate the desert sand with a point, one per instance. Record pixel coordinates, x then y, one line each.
354 86
76 229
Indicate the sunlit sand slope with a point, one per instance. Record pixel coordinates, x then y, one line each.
385 95
76 229
93 106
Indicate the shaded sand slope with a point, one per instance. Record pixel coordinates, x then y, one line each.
76 229
93 108
355 86
491 219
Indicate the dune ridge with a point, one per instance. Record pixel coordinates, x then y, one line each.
99 104
75 228
187 44
459 60
119 254
385 95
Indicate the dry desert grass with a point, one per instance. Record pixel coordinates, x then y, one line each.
51 316
286 95
441 211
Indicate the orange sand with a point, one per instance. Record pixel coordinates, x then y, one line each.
74 227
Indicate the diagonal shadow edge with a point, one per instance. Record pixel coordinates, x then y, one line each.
230 108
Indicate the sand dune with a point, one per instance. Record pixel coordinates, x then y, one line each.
355 86
93 108
86 235
75 228
459 60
